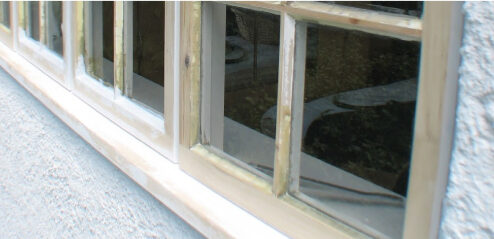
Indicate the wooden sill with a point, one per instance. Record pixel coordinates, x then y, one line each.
208 212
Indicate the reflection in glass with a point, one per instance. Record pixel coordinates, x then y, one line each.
99 40
251 84
148 53
53 31
411 8
33 20
5 14
359 108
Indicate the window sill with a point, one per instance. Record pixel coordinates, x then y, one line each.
205 210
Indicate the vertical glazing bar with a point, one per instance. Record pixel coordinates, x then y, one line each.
43 22
190 47
176 79
118 54
14 16
284 111
297 104
79 11
128 52
213 73
169 65
68 42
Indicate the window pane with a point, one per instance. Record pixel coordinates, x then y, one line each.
411 8
33 20
148 53
251 85
99 40
5 13
53 26
359 108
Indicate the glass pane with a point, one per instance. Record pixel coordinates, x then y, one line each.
359 108
53 31
33 20
148 49
411 8
5 14
99 41
251 85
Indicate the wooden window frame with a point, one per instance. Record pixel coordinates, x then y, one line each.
37 51
135 149
153 128
440 36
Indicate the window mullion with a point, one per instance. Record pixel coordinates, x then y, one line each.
42 22
128 48
118 54
169 65
15 22
284 117
297 104
213 73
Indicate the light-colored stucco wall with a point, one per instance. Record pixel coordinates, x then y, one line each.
468 209
54 185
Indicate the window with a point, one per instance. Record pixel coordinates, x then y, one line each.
122 69
314 104
41 36
328 119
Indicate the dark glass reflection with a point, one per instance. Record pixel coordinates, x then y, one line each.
53 31
99 40
411 8
148 53
359 108
369 83
251 82
5 14
33 20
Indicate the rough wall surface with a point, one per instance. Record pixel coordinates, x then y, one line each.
468 209
53 184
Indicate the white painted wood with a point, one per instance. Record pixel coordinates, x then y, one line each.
213 73
176 79
14 14
68 30
297 104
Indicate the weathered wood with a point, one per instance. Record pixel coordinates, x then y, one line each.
281 178
435 116
403 27
190 19
118 48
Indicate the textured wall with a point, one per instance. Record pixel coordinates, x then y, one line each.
53 184
468 210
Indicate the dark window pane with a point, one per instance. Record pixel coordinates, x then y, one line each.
148 53
33 20
411 8
359 108
251 84
5 14
53 31
99 40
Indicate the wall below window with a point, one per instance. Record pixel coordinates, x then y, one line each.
53 184
469 205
